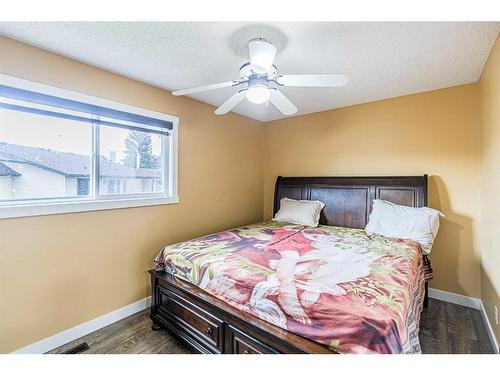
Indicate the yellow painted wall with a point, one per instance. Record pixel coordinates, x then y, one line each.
435 133
61 270
490 185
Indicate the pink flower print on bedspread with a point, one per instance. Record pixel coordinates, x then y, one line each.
321 269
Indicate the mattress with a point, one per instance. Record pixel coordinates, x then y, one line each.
342 287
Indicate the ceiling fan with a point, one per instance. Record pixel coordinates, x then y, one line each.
260 81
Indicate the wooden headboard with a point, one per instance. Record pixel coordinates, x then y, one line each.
348 200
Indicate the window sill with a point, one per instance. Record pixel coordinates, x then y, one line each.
62 207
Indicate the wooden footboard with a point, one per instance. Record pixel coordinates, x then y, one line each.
209 325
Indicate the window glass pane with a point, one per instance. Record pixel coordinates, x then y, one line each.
131 161
43 157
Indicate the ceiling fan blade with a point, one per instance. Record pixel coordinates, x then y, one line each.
215 86
262 54
281 102
229 104
313 80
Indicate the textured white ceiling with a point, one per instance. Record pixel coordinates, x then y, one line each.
382 59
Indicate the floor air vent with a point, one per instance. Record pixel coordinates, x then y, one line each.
77 349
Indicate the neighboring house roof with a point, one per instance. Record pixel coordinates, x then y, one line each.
6 171
67 163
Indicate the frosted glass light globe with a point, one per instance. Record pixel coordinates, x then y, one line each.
258 94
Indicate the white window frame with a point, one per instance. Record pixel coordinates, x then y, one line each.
50 206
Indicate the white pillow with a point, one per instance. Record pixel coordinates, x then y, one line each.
411 223
299 212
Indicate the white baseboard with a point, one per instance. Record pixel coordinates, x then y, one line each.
489 328
83 329
457 299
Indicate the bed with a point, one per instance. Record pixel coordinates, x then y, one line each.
352 292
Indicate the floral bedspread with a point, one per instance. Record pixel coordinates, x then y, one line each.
354 292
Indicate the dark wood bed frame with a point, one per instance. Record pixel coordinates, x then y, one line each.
209 325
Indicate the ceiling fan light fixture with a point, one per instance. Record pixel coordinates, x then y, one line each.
258 94
262 82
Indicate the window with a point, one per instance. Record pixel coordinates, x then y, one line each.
66 152
131 161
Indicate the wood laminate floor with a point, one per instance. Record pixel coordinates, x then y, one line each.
452 329
446 329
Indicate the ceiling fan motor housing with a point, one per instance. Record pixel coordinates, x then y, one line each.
246 72
257 80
